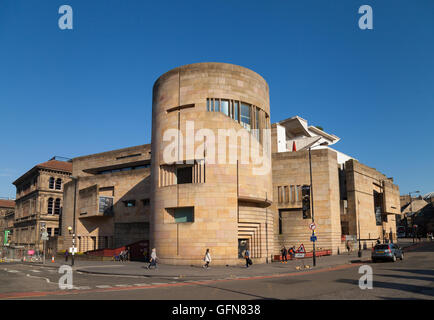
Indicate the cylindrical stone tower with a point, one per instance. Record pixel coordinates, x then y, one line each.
211 174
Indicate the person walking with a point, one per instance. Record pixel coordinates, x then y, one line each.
66 255
348 246
247 257
153 262
284 255
291 252
207 259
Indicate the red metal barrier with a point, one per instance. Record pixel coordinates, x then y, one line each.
137 250
307 255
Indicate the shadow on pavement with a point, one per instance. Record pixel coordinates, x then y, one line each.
406 277
417 271
395 286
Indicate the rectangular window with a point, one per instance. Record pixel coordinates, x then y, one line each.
146 202
257 118
216 105
286 194
184 175
280 222
207 104
279 194
130 203
56 231
292 194
225 107
236 111
245 116
298 193
182 215
49 232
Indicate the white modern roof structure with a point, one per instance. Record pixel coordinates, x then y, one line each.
295 132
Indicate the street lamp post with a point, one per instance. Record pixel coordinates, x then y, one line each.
73 222
311 199
312 206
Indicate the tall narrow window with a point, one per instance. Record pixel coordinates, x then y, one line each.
216 105
279 194
280 222
236 111
245 116
57 206
58 184
50 206
257 118
207 104
286 194
51 183
225 107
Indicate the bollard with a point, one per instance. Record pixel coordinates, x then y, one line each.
52 259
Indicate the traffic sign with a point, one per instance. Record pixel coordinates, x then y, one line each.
312 226
313 238
301 249
44 236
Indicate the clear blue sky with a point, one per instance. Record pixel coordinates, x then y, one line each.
89 90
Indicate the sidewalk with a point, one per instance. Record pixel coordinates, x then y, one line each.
133 268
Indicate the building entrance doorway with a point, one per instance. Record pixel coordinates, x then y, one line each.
243 244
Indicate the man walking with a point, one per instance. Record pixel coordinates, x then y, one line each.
284 255
153 262
247 256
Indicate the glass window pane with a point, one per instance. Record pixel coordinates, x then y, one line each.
225 107
245 115
216 106
207 104
184 214
236 110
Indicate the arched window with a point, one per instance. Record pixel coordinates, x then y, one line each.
51 183
50 206
57 206
58 184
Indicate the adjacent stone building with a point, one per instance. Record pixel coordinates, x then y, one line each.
39 202
350 200
7 211
111 196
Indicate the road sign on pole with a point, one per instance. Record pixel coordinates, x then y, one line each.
312 226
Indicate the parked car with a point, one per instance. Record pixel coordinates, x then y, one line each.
387 252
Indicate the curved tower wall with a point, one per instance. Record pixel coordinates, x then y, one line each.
228 197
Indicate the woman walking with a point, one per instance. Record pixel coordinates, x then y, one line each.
153 262
207 259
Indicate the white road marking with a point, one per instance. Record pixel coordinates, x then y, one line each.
82 288
103 286
35 270
46 279
142 284
13 271
157 283
123 285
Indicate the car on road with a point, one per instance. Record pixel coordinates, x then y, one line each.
386 251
